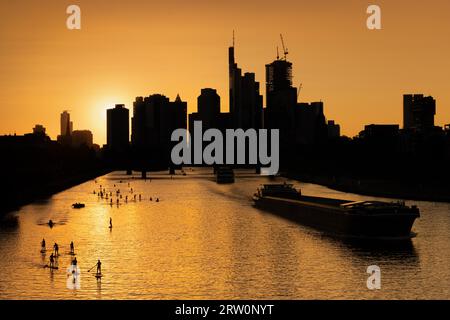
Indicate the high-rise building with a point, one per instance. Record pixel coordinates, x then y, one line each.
299 123
82 137
118 129
245 100
380 131
65 138
66 124
418 112
208 112
281 102
281 95
208 107
154 120
382 138
310 124
333 129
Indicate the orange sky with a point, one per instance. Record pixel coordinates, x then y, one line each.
139 47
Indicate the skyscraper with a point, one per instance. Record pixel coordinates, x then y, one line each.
208 106
66 124
299 123
310 124
280 93
281 101
118 128
65 138
245 100
154 120
418 112
208 112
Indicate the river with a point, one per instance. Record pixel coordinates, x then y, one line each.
203 240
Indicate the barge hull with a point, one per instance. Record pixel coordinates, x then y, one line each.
339 221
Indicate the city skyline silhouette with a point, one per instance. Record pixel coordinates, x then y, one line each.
226 149
107 63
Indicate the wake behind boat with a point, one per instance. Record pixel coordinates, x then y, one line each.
367 219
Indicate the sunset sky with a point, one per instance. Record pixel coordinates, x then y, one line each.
139 47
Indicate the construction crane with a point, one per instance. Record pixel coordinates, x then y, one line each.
300 87
285 50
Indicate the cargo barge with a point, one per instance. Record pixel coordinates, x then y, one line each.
365 219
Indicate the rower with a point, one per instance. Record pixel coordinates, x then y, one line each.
72 248
56 249
74 262
50 223
43 245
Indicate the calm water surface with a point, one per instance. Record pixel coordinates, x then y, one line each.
206 241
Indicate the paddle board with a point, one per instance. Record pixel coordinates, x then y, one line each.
47 266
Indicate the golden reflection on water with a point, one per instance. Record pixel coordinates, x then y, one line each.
206 241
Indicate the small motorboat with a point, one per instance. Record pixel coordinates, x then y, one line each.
78 205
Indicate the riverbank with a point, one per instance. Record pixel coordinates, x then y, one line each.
379 188
29 193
